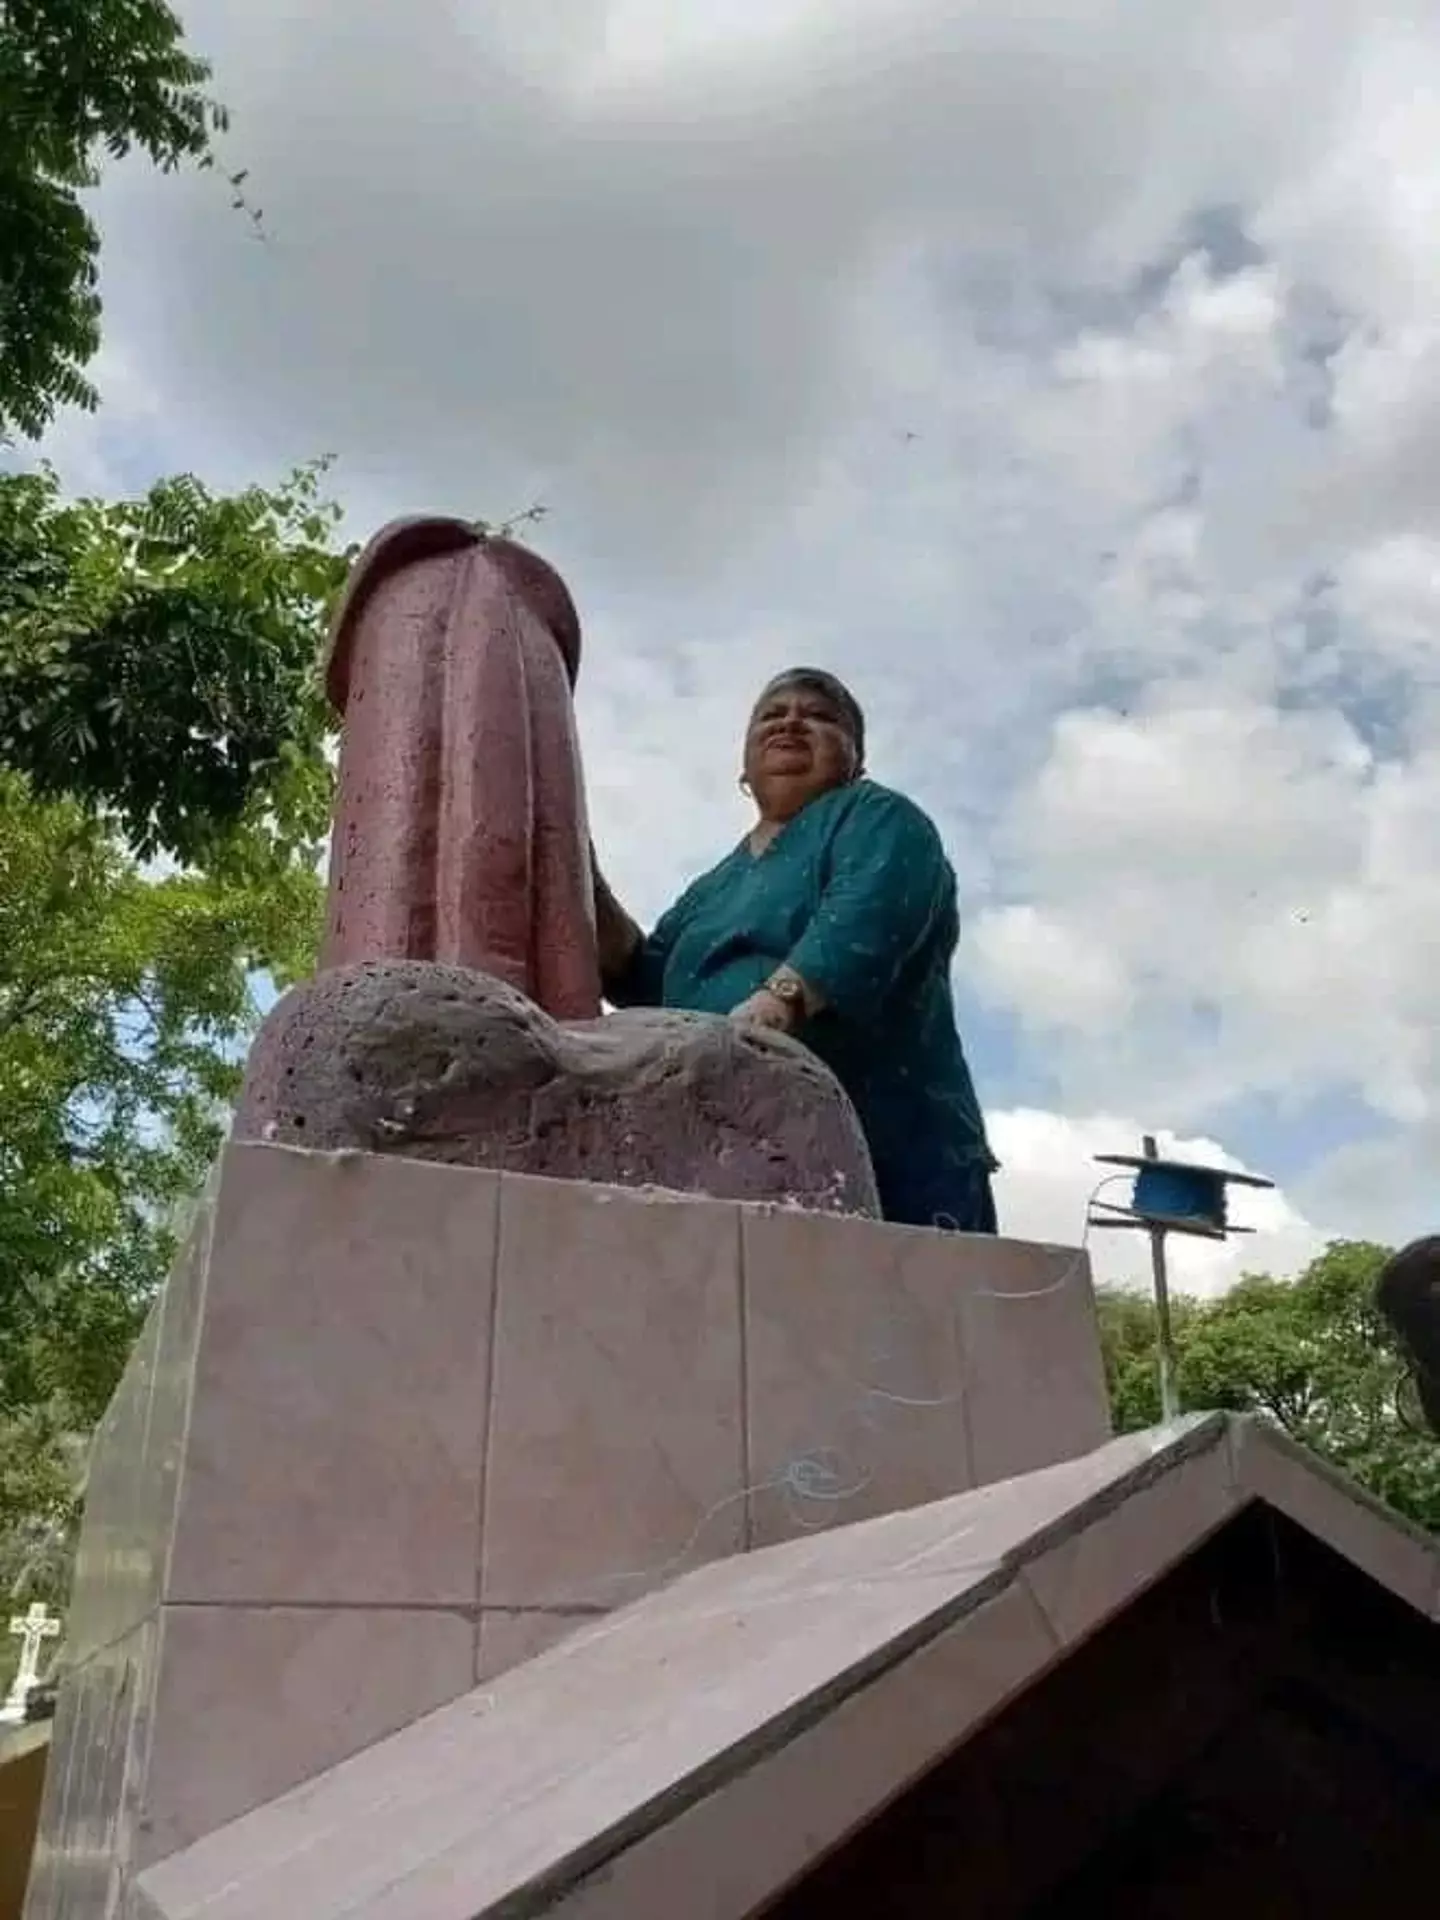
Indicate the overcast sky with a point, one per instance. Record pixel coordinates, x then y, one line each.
1065 374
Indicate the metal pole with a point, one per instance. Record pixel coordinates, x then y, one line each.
1169 1395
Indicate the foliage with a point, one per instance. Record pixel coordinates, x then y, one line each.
1310 1354
42 1483
159 695
158 656
78 78
126 997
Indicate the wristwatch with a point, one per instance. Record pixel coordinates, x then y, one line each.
788 989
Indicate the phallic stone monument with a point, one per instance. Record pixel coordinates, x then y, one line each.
456 1013
498 1314
460 821
419 1570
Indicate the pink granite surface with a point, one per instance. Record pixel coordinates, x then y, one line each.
693 1755
444 1063
396 1426
460 830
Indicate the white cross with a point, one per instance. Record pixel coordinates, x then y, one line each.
32 1627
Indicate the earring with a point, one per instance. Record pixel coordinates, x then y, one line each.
744 786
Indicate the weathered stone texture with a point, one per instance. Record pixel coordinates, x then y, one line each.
442 1063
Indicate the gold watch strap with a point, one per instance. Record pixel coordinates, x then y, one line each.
786 987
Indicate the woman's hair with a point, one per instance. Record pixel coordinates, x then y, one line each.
816 680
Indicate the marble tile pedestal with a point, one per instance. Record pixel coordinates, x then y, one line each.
396 1427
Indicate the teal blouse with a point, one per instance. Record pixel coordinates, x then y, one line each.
856 894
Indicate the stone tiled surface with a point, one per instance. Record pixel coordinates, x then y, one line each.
830 1778
1034 1377
633 1772
85 1843
855 1399
181 1311
509 1636
251 1701
657 1694
614 1448
711 1666
94 1787
1091 1574
336 1441
134 1463
395 1427
104 1602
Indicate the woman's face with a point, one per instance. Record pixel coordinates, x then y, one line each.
798 745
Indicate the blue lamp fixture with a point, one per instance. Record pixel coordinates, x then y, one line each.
1171 1196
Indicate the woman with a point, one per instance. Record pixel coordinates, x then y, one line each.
833 920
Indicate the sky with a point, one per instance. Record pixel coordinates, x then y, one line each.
1065 375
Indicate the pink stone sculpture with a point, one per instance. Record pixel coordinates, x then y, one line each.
460 831
455 1014
431 1062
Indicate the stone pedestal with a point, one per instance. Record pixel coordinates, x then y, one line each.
450 1064
394 1427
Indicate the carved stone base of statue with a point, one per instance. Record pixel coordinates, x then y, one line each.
437 1062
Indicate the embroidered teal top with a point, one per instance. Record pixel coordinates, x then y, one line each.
857 896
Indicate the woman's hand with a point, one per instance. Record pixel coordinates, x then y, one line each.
764 1009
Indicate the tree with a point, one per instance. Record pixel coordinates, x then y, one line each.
159 696
1310 1354
158 656
77 78
126 997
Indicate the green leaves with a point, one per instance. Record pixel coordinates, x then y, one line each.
78 78
159 657
165 792
1310 1354
164 785
42 1478
126 999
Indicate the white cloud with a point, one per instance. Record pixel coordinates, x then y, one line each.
1380 1189
1068 375
1258 893
1390 591
88 450
1359 219
1262 886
